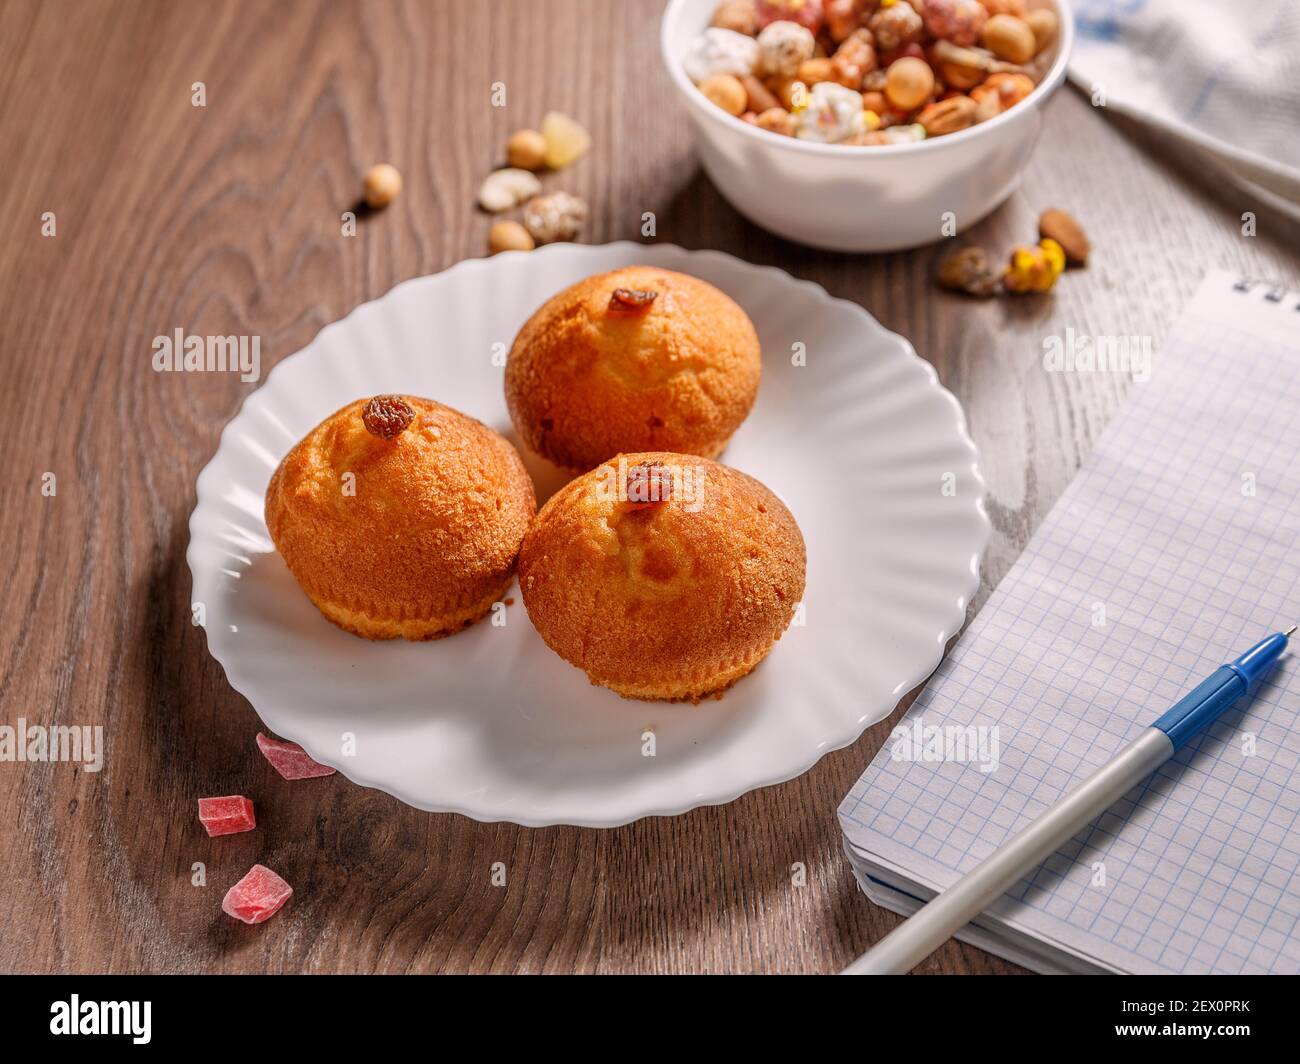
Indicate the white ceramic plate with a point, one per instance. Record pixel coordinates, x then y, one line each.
489 723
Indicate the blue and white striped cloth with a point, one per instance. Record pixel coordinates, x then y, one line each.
1223 77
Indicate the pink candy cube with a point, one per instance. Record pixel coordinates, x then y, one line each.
290 759
256 897
226 816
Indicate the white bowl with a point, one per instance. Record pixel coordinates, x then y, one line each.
876 198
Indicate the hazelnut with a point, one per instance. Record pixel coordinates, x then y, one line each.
381 185
727 92
909 82
509 236
526 150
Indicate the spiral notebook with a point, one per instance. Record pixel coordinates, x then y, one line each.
1176 547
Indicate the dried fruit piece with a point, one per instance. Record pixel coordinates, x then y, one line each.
1059 226
381 185
566 141
526 150
727 92
633 299
968 270
959 21
1009 38
1034 269
257 897
648 484
385 416
807 13
557 216
226 816
782 46
290 759
503 189
509 236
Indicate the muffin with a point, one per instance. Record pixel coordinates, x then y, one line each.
401 517
662 576
639 359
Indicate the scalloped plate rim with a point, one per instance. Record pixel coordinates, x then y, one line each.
846 737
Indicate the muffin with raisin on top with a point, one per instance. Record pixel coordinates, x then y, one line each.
663 576
638 359
421 539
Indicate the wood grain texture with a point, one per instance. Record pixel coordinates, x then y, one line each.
225 219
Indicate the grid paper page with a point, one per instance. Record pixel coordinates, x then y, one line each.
1184 527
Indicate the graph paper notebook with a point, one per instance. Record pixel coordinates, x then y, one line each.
1176 547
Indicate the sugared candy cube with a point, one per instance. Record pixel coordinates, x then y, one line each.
226 816
290 759
256 897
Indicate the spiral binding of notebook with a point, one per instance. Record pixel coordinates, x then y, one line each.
1173 546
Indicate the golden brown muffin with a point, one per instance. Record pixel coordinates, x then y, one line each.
662 576
401 517
640 359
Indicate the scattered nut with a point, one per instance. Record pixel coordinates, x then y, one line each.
968 270
1059 226
812 71
948 116
727 92
908 82
736 15
854 59
381 185
556 216
509 236
895 26
845 16
1008 89
526 150
566 141
776 120
1009 38
503 189
1044 25
760 97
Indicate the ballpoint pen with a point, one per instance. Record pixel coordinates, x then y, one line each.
949 911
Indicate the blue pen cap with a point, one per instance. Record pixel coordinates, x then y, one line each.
1195 710
1253 664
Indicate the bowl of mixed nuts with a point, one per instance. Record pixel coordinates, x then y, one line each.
866 125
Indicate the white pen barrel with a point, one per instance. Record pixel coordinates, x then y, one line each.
920 935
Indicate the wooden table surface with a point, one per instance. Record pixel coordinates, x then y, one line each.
225 219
